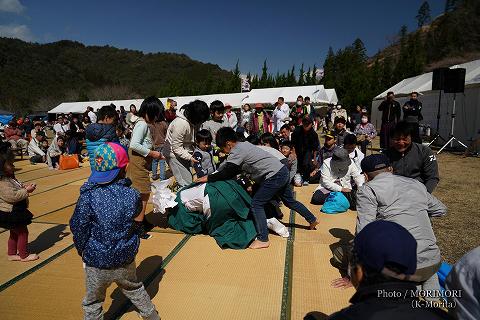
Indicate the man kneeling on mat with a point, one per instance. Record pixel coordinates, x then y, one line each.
271 175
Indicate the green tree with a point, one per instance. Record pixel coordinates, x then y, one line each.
291 81
423 15
264 77
301 80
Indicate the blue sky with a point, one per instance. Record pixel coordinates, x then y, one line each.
219 32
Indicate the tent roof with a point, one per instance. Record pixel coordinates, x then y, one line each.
423 82
331 96
4 112
270 95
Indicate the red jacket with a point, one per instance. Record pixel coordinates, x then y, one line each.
13 133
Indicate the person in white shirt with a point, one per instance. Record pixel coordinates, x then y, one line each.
37 155
229 117
339 112
350 144
245 115
336 175
281 112
92 115
61 126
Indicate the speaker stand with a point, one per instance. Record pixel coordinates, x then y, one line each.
437 134
452 128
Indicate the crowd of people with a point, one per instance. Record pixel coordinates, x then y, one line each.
394 248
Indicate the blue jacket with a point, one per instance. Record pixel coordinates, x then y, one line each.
102 224
96 134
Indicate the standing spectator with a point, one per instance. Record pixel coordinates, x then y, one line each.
217 112
391 113
412 113
280 113
309 108
131 117
103 226
412 160
365 132
383 260
230 118
465 277
404 201
13 135
306 143
287 149
171 111
203 153
338 112
122 119
56 149
245 115
91 114
299 111
37 155
355 117
259 121
14 213
159 133
337 173
141 153
122 139
340 130
181 138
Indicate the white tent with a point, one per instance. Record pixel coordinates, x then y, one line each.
80 107
316 93
467 120
234 99
331 96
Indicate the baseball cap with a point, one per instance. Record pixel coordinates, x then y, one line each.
109 158
374 162
228 106
382 243
340 162
329 134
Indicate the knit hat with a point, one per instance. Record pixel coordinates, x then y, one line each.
109 158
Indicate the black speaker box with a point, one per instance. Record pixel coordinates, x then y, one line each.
438 78
455 80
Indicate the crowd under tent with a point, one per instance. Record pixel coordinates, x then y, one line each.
467 120
318 95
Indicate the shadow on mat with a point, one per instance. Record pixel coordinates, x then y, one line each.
315 315
48 238
147 267
157 219
340 249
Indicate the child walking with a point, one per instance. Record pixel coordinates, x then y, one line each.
271 175
203 153
104 234
14 213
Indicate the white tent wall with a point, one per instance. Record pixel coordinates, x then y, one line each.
467 120
331 96
234 99
316 93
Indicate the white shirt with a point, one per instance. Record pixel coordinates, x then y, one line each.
34 149
334 183
92 116
357 157
60 128
280 115
230 122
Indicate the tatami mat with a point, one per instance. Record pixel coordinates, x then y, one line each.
56 290
206 282
44 239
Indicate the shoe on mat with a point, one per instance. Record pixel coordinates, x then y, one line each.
30 257
14 257
147 226
305 183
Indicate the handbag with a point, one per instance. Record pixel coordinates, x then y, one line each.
336 202
69 161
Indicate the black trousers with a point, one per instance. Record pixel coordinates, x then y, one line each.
319 198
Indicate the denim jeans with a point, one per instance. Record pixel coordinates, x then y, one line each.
278 185
156 163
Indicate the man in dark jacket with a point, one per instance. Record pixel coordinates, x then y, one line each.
383 259
412 113
306 143
412 160
391 113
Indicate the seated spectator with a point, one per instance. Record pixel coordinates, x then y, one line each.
285 133
465 277
337 173
27 128
412 160
13 135
86 121
217 111
286 147
404 201
102 131
37 127
56 149
37 155
203 153
350 144
61 126
383 261
230 118
325 152
306 144
365 132
340 132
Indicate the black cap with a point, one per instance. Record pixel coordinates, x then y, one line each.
374 162
382 243
340 119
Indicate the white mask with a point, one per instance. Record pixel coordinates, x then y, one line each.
299 103
339 107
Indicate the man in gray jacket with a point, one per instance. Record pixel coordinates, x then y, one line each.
407 202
